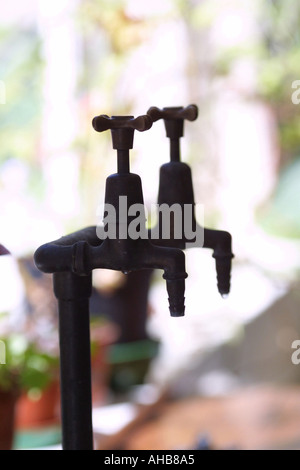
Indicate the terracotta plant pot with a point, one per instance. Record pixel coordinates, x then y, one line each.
7 418
32 412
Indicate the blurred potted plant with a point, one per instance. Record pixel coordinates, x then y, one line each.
38 345
9 392
37 404
28 379
9 387
28 337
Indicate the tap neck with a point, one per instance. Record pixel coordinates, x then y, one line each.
123 161
122 139
175 150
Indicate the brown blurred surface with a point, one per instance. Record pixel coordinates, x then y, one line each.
255 418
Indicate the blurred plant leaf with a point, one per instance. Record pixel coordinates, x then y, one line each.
282 215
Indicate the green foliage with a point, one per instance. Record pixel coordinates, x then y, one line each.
26 366
279 66
21 72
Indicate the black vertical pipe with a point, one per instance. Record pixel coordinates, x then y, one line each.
174 150
73 294
123 161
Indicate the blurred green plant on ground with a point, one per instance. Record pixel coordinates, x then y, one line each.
26 368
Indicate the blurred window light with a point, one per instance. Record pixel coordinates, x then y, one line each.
143 9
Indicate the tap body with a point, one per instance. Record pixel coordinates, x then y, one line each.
176 187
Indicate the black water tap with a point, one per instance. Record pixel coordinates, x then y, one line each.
72 259
117 246
176 187
130 250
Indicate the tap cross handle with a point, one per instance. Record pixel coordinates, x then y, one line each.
122 128
103 122
122 132
189 113
174 118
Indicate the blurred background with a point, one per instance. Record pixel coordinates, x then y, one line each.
64 62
